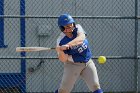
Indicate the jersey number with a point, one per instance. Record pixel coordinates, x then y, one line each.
82 48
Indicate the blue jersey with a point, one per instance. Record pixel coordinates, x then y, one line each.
79 53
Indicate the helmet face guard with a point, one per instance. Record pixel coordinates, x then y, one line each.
64 20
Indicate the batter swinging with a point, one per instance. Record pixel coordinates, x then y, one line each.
73 50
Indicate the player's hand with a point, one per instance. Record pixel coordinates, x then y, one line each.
64 47
58 48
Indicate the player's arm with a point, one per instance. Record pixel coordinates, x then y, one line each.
61 55
59 49
78 40
80 36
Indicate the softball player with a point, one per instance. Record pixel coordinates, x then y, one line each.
73 51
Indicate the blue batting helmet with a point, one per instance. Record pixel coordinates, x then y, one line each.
65 19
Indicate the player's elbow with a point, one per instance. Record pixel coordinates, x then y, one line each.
63 59
82 37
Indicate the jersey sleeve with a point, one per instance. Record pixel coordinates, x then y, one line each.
80 29
59 39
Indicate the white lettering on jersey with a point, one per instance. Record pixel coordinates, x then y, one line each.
82 48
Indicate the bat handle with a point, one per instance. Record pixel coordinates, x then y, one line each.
53 48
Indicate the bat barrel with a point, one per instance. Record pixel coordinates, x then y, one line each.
31 49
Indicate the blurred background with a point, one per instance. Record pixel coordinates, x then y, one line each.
113 30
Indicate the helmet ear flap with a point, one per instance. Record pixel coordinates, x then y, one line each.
62 28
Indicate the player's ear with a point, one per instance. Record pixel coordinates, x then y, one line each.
62 28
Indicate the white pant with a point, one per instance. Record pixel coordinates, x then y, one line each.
73 70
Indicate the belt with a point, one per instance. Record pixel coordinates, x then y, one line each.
82 62
77 62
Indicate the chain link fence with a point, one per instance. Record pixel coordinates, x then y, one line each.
113 29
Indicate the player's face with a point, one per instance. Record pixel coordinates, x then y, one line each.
68 28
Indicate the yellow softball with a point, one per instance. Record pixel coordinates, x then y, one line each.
102 59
